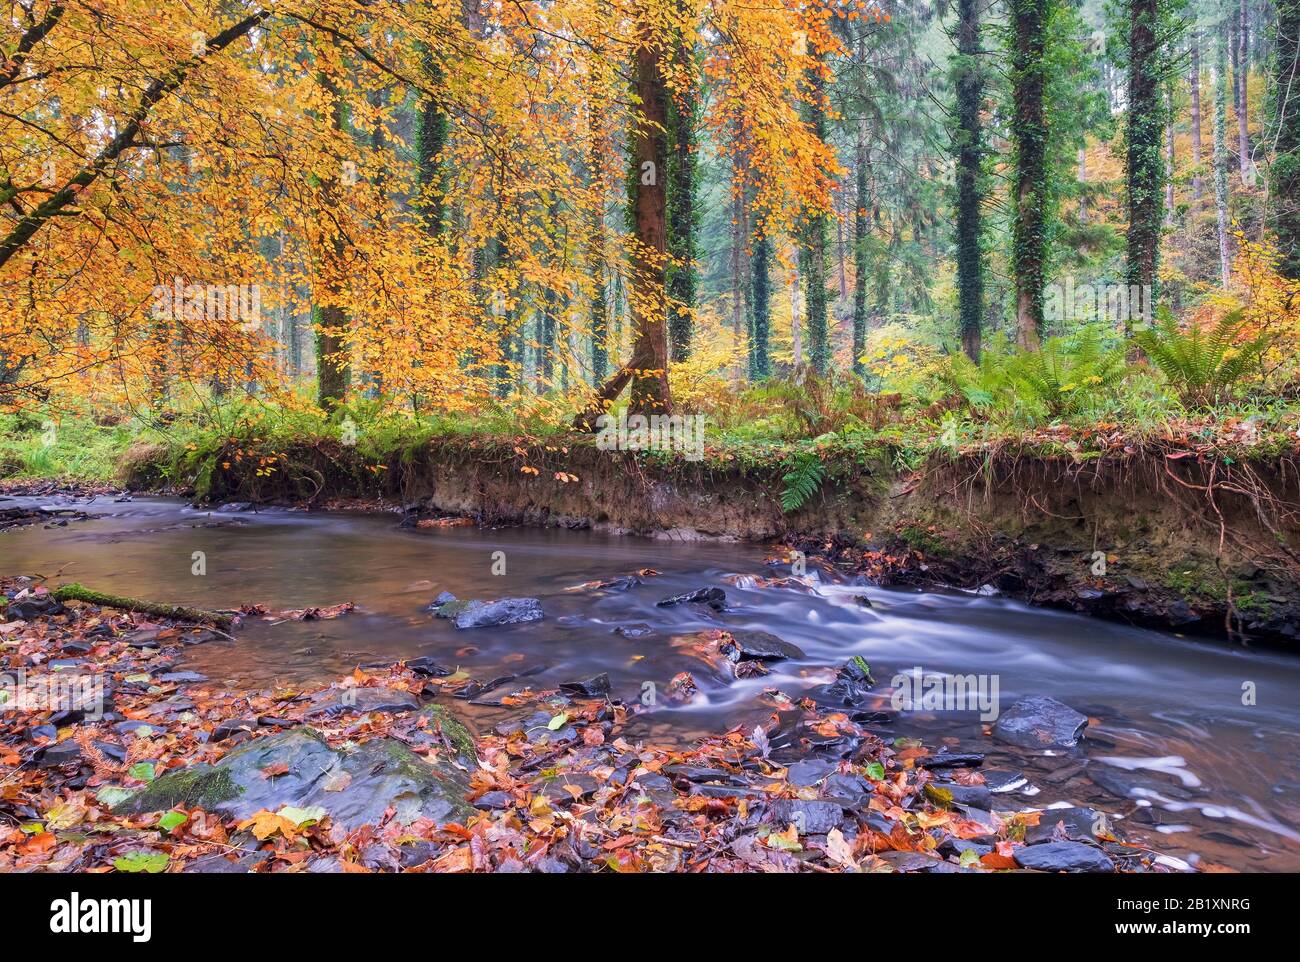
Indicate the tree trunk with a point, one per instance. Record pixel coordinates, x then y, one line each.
761 308
647 369
1221 153
1284 176
331 320
682 215
861 228
1030 187
1194 83
1243 99
814 252
1144 136
970 258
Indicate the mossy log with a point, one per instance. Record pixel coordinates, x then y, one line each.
77 592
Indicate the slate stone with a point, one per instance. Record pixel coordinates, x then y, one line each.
1041 723
1063 857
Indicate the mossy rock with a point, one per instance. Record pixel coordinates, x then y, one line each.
356 784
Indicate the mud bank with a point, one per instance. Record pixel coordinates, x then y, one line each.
1161 538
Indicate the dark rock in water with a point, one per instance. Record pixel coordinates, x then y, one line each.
621 583
569 621
758 646
537 728
698 774
946 759
810 771
969 796
1041 723
232 727
910 861
638 630
1078 823
137 728
1124 784
594 687
503 611
956 846
182 677
42 732
715 598
656 787
851 687
143 638
1063 857
444 598
61 753
808 817
354 786
1000 780
476 688
338 701
234 507
424 665
570 786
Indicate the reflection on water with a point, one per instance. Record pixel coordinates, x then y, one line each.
1199 774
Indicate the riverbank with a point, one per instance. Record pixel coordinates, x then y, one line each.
134 763
1194 537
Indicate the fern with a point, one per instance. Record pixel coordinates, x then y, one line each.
802 481
1203 363
1068 374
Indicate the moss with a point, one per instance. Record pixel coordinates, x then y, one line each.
456 733
201 785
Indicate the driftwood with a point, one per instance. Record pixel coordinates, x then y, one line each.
76 592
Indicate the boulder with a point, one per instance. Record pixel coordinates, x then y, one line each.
1063 857
1041 723
758 646
339 701
715 598
503 611
355 786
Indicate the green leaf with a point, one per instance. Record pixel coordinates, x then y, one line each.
171 820
969 859
143 771
151 862
302 816
876 772
112 795
558 722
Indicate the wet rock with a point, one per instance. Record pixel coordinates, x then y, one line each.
698 774
759 646
595 687
182 677
503 611
656 787
137 729
424 665
234 507
416 853
143 638
570 786
1041 723
809 771
809 817
1074 822
537 728
851 687
444 598
355 786
494 801
232 727
1063 857
945 759
715 598
1002 780
967 796
637 630
911 861
851 788
338 701
41 606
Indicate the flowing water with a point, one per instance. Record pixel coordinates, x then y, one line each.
1209 779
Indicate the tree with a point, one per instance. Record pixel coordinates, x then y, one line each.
1144 136
1284 176
1221 153
968 142
683 216
813 254
1031 190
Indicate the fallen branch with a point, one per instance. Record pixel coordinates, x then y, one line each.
76 592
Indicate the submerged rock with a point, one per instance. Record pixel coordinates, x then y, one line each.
1063 857
503 611
338 701
355 786
1040 722
759 646
594 687
715 598
637 630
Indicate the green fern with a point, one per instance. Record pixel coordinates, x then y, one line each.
802 481
1204 364
1068 375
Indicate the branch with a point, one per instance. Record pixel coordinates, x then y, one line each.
125 139
33 35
